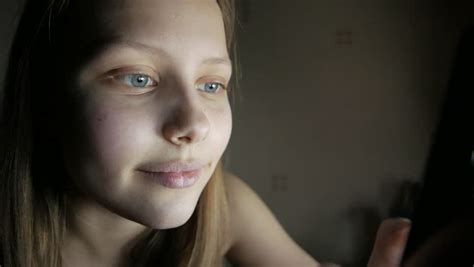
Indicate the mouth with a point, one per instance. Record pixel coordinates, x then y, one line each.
174 179
174 174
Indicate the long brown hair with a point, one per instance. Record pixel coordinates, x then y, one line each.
34 200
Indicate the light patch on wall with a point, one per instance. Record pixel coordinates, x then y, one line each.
344 37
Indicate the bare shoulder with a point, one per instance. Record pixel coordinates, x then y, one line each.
257 238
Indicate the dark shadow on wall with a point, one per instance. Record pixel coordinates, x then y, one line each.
448 184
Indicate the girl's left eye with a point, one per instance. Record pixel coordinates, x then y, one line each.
137 80
211 87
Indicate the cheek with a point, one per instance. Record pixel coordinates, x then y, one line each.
117 136
221 123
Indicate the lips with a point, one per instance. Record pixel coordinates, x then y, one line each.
175 166
178 174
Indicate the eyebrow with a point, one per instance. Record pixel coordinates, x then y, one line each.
121 42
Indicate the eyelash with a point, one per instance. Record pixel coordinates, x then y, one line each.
220 86
151 83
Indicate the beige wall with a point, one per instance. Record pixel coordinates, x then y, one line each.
341 125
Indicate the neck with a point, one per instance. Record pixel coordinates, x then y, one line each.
95 236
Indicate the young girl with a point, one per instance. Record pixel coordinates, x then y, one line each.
115 117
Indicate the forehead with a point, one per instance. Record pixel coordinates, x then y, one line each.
166 17
171 25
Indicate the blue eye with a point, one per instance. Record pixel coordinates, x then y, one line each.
137 80
211 87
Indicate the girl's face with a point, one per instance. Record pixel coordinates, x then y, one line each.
152 110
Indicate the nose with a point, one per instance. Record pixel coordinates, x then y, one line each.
187 123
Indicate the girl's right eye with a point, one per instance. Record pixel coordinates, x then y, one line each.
137 80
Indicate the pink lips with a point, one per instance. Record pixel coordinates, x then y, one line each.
176 174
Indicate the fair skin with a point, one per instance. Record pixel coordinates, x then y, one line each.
156 94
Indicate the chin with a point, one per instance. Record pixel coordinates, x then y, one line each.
178 223
168 219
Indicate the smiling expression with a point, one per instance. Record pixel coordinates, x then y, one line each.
152 99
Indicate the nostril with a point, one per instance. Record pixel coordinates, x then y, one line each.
179 135
187 124
185 139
